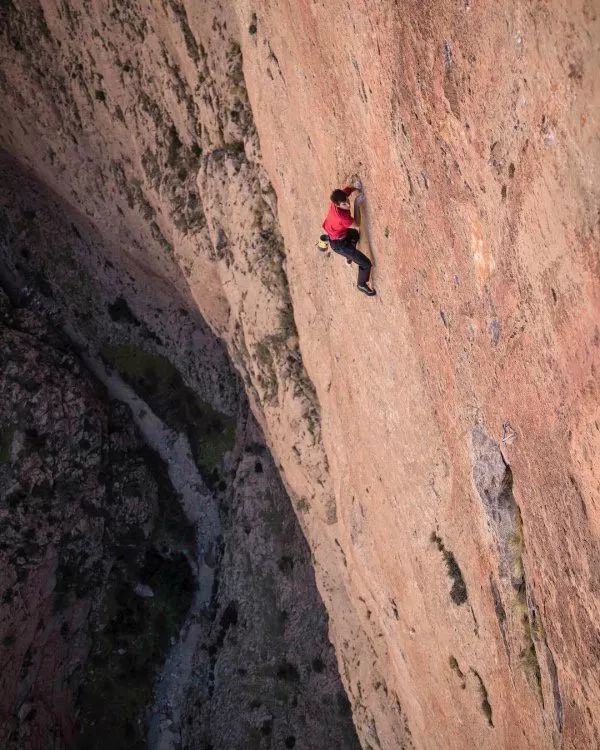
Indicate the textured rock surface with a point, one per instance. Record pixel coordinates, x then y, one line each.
444 473
475 132
82 514
265 674
106 548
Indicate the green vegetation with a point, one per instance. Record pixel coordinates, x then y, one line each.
74 579
188 35
532 629
531 667
160 238
515 546
172 526
458 592
6 439
175 145
532 626
136 632
158 382
268 376
128 651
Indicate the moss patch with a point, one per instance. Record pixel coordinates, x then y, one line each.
158 382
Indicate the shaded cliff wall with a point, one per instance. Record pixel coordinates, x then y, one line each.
142 604
453 520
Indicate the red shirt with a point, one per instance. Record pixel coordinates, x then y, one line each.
338 220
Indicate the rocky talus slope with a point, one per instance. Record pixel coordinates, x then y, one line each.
439 443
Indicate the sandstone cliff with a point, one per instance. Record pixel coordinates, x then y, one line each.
438 442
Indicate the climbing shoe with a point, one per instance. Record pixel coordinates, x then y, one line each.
366 289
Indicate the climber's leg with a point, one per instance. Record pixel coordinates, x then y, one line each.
364 267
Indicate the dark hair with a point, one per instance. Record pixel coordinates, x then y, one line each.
338 196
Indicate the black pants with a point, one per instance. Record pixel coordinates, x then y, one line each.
347 247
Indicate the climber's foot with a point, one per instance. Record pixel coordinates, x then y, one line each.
366 289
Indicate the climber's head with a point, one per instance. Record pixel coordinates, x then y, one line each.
339 198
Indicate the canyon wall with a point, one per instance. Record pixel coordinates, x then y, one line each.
155 579
438 441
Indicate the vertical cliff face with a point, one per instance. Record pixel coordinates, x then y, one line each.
460 408
438 441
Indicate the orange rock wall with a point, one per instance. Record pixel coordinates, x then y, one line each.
474 127
475 130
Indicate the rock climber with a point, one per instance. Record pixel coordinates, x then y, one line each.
342 232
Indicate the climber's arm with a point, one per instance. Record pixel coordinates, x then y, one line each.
358 200
349 189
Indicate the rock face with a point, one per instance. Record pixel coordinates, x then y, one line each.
265 675
86 521
439 441
113 562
